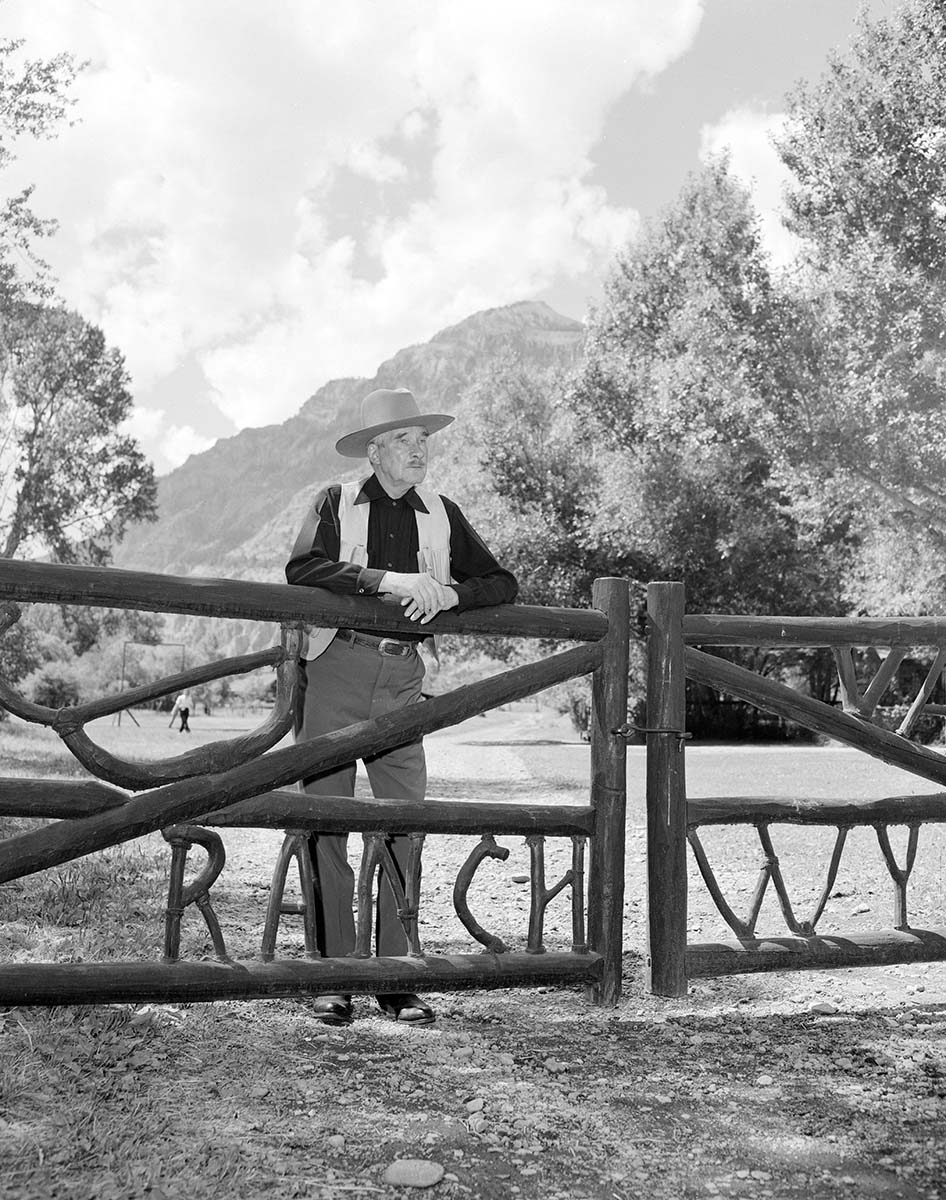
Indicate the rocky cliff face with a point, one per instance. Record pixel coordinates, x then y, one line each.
233 510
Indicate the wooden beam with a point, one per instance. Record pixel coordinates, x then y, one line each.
909 722
749 810
844 660
57 797
106 587
702 629
812 714
609 788
666 791
221 755
339 814
189 799
297 810
881 681
874 948
52 984
170 684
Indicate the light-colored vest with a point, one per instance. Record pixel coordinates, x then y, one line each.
433 536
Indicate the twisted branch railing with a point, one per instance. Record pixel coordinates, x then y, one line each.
70 722
674 819
234 783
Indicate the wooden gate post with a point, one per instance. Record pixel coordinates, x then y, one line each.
666 791
609 789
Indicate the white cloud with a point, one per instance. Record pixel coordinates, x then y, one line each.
179 442
144 423
365 159
747 135
203 201
169 443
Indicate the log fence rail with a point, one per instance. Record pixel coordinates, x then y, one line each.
674 819
248 781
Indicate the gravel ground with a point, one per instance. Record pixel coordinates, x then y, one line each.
815 1085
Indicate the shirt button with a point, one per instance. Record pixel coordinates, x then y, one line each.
391 566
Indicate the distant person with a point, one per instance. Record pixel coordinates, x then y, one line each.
182 706
384 535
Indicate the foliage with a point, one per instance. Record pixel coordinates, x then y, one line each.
657 459
777 442
71 480
866 143
33 102
57 655
896 575
20 653
690 357
54 687
867 147
864 439
523 464
86 628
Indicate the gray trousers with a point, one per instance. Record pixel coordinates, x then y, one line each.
346 684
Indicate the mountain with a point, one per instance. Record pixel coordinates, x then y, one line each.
233 511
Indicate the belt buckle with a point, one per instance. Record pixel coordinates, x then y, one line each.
392 648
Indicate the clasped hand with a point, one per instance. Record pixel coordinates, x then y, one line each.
421 596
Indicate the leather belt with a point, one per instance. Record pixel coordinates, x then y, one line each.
383 645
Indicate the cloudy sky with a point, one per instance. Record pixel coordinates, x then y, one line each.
258 197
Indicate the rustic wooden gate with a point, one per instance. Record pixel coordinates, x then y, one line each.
244 781
674 819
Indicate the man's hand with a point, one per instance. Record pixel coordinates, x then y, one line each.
422 596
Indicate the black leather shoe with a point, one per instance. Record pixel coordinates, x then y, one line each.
332 1009
406 1009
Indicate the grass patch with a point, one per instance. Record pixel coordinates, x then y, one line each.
104 906
33 751
108 904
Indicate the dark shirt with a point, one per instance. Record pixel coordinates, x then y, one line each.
393 546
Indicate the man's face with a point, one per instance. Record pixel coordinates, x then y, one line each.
399 459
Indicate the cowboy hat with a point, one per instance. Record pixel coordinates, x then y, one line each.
387 408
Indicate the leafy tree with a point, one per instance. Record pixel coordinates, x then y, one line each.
867 142
55 686
33 102
70 480
522 462
866 431
867 146
693 360
689 359
21 652
78 644
84 628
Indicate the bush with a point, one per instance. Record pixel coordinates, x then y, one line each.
926 731
54 686
573 699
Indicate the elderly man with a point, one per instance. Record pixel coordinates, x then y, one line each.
388 536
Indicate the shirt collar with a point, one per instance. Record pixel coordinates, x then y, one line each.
371 489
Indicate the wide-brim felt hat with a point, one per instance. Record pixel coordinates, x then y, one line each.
385 409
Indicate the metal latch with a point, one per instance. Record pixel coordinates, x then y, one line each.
625 731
